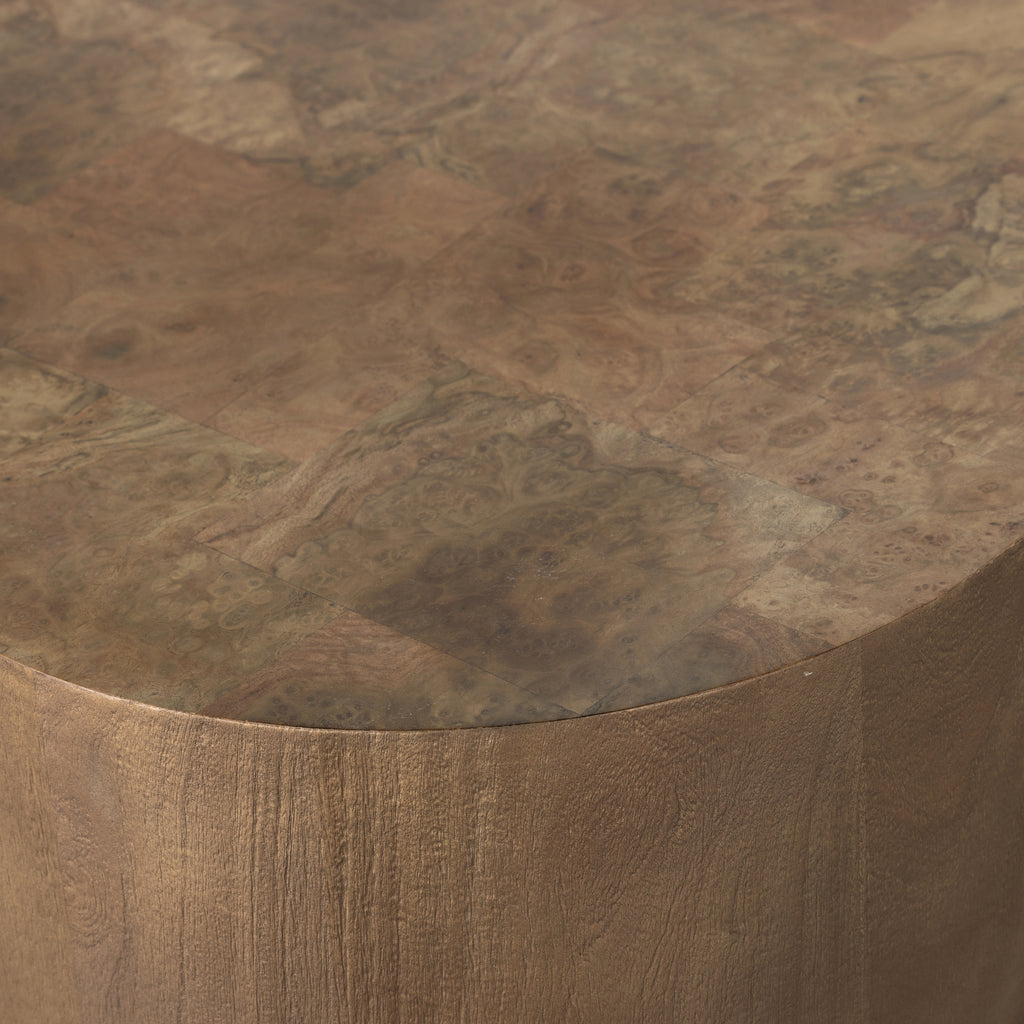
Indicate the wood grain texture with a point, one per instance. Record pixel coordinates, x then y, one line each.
837 841
604 869
944 780
499 479
421 688
558 553
35 941
122 563
778 239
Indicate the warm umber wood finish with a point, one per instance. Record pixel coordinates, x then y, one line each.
502 482
837 841
431 363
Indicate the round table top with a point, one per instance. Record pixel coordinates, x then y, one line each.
422 363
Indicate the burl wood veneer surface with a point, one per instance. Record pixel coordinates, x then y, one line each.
425 364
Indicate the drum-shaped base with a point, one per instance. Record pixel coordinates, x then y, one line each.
842 840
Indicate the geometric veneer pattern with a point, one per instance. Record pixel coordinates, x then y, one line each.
511 511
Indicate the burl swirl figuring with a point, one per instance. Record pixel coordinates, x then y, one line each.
512 512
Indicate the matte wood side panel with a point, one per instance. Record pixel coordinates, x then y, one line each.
687 862
944 770
628 871
36 980
758 852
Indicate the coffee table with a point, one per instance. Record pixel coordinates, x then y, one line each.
512 512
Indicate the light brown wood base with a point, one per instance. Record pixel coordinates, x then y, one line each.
842 840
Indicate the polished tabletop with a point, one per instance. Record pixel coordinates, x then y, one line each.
420 363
